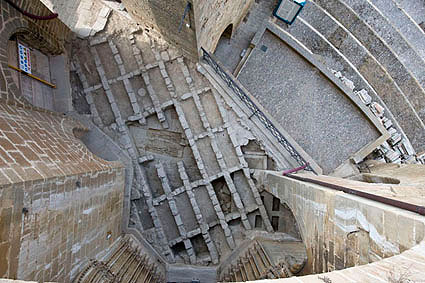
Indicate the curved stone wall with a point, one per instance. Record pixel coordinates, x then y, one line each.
342 230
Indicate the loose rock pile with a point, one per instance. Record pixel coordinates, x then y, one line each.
397 149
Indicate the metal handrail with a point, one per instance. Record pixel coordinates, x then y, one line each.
255 110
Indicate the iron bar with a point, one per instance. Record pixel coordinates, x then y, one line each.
286 172
392 202
186 10
255 110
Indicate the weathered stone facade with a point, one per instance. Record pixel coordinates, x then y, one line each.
59 204
192 193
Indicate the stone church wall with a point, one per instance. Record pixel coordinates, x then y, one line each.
60 205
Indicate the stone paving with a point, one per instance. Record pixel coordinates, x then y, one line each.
320 118
347 48
193 198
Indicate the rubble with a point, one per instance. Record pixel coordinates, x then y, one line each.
348 83
364 96
396 149
377 109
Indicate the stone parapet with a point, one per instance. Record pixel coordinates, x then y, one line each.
348 230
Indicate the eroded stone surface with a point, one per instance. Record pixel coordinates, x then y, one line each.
177 131
326 124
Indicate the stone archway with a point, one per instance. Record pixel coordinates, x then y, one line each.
227 33
225 37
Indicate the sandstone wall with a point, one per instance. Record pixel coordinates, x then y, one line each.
342 230
165 16
59 204
212 18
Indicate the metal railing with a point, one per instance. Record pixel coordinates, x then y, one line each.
255 110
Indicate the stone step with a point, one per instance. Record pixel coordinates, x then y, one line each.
389 56
124 264
253 263
415 9
405 24
384 29
320 32
131 269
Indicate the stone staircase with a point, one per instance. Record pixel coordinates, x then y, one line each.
124 264
255 263
379 47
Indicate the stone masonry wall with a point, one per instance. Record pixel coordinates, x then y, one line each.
347 230
212 18
59 204
51 228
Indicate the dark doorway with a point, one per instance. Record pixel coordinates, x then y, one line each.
275 223
258 221
227 33
224 40
276 204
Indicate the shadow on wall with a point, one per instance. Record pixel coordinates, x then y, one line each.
96 143
174 20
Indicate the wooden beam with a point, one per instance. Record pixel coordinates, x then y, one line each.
32 76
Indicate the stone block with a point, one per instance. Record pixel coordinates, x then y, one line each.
136 108
132 97
405 229
364 96
118 59
122 69
178 220
135 117
164 56
115 109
